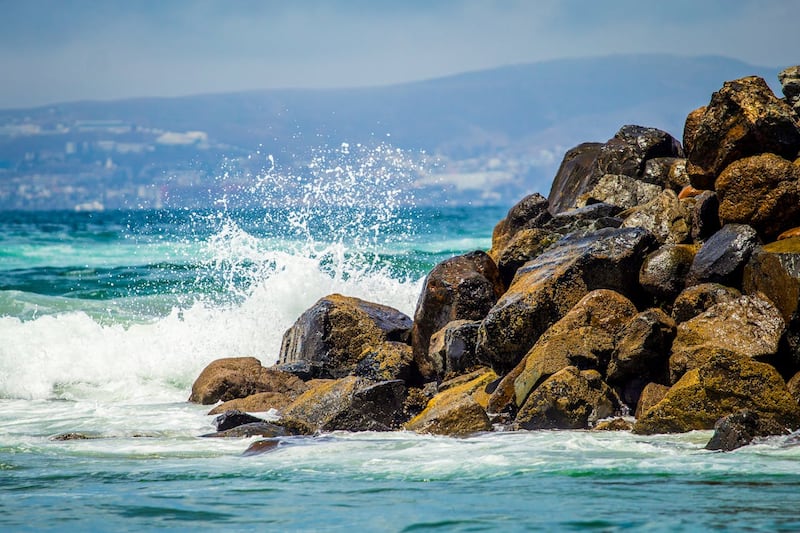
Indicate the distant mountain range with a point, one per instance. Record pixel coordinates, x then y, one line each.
498 133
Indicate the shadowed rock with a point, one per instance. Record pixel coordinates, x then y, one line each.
705 216
722 257
530 212
460 288
252 429
650 396
774 271
454 346
231 419
698 299
332 336
546 288
256 403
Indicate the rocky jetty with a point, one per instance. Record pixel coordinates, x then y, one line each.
660 279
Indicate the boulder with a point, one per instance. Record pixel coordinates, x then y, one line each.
569 399
791 232
454 346
664 271
697 299
584 338
530 212
641 354
705 216
665 216
615 424
239 377
387 361
575 176
749 326
790 83
619 190
460 288
774 272
458 410
762 191
626 153
585 219
502 400
233 418
740 429
666 172
723 385
793 385
526 244
721 259
257 403
350 404
744 118
332 336
546 288
651 395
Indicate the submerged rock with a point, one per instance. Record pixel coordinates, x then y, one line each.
546 288
252 429
256 403
740 429
331 337
260 447
239 377
233 418
461 288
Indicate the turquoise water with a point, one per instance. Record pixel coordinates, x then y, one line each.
107 318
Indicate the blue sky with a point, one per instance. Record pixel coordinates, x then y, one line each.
53 50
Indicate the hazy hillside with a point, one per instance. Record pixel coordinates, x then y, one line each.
527 114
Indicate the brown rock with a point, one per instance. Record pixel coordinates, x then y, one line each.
546 288
762 191
239 377
698 299
569 399
530 212
502 398
615 424
774 271
664 271
584 338
665 216
723 385
794 387
337 332
749 326
651 395
689 192
386 362
350 404
461 288
744 118
789 233
256 403
457 410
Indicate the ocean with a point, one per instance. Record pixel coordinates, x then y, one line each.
106 319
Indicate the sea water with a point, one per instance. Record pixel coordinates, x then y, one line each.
107 318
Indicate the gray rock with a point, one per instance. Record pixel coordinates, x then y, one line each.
740 429
723 256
